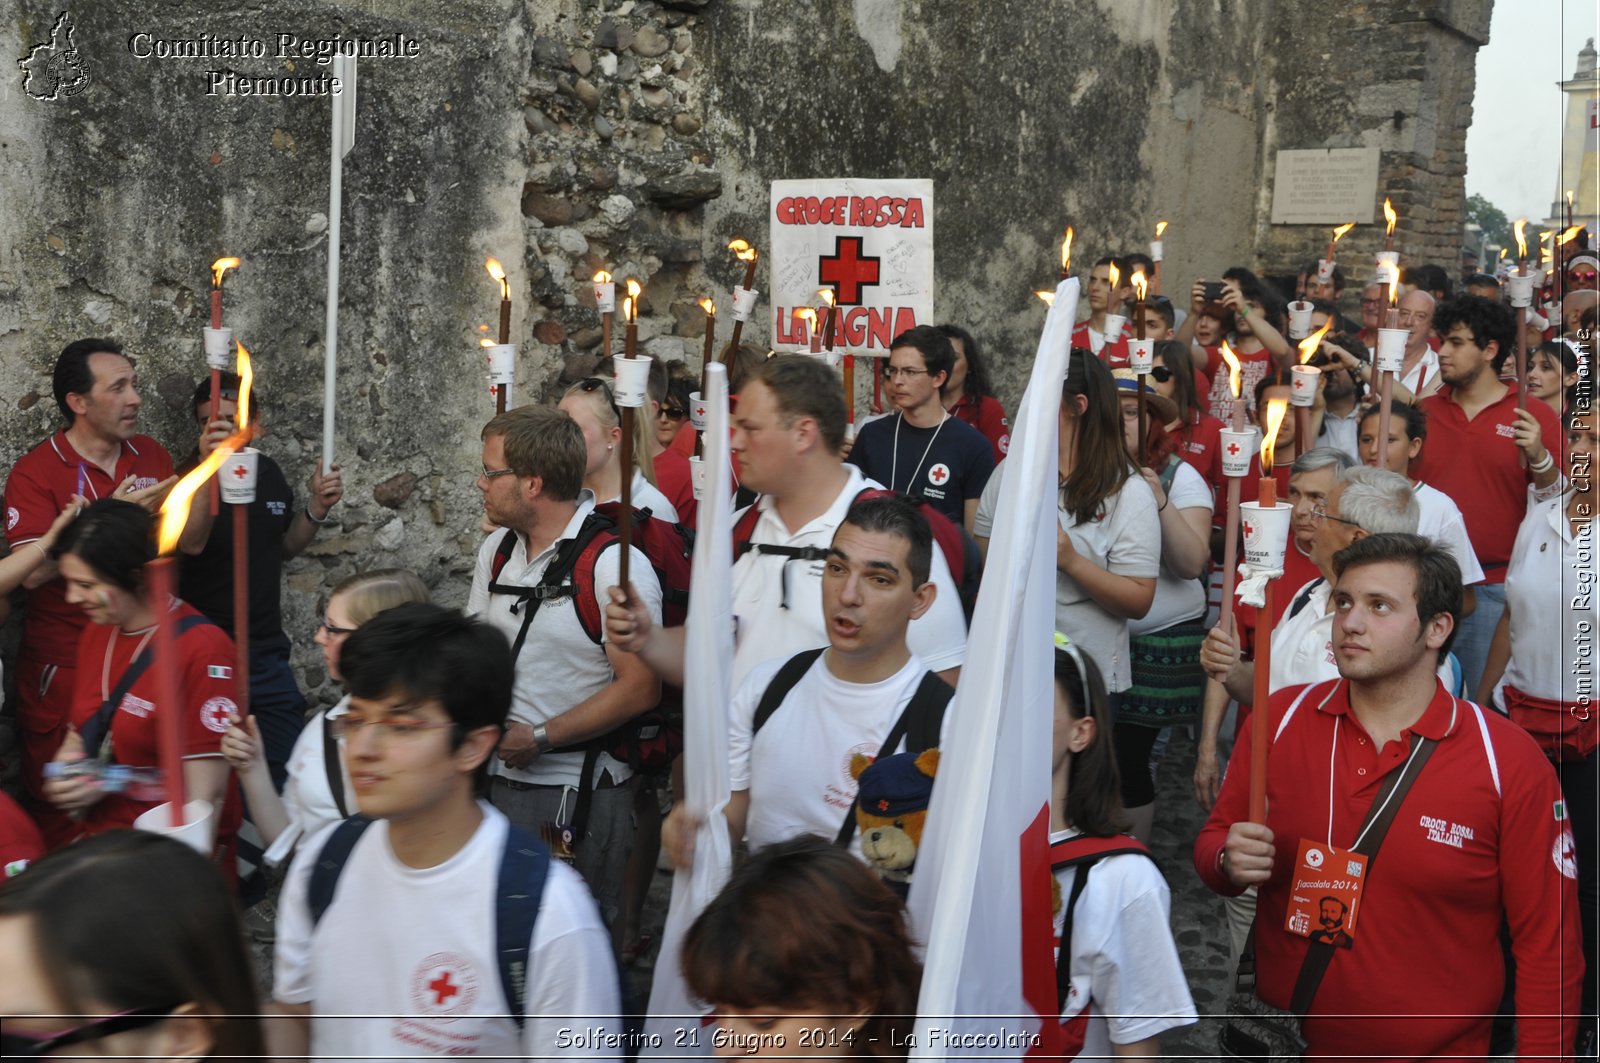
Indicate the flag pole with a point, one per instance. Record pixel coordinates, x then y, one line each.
339 144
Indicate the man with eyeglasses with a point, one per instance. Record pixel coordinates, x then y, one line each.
569 688
397 930
921 450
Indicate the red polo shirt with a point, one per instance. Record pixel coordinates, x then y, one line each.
1477 463
41 482
1200 444
989 417
1115 355
1482 834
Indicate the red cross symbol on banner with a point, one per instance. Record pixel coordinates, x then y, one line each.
240 473
443 990
1233 450
848 271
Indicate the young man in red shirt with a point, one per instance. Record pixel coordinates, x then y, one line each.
1091 334
1484 452
97 455
1480 840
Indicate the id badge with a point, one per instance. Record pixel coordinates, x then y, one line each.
1325 899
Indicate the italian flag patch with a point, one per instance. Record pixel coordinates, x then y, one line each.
1561 811
218 671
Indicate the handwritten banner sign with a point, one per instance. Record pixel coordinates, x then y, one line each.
869 241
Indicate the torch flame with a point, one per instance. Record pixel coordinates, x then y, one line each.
1233 368
1569 199
1309 345
602 277
826 295
709 307
1116 279
483 328
1048 297
1522 244
1161 227
221 266
630 305
627 309
1276 408
241 366
1570 235
486 342
742 251
175 510
498 272
1342 229
1390 216
808 315
1140 286
634 288
1066 250
1503 253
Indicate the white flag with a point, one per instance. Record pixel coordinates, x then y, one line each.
981 896
673 1026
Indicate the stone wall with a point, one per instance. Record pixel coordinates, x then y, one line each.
639 136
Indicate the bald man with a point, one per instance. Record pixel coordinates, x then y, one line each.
1420 375
1573 306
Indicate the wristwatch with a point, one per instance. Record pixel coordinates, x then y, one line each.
541 738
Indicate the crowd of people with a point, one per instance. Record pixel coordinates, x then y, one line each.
464 840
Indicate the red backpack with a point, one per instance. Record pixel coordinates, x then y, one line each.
959 549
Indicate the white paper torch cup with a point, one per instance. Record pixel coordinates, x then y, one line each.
1266 533
1303 385
1391 356
699 416
1519 289
633 378
1300 319
1324 270
1114 324
833 359
1155 250
198 824
219 348
697 478
1238 450
502 359
238 476
605 298
744 301
1142 355
1388 265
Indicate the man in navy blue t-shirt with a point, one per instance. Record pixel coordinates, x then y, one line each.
920 449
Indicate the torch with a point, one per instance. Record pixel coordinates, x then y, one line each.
1114 321
744 296
1066 255
1303 382
605 301
1237 447
217 340
238 480
811 335
697 401
1519 290
632 377
1141 356
1391 353
1155 256
1266 537
502 359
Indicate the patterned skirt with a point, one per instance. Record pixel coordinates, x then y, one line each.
1168 682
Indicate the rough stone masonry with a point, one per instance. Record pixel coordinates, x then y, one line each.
637 136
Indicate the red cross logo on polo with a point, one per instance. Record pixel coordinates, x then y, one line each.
848 270
217 714
939 474
444 984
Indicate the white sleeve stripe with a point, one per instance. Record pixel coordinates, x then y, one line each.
1488 748
1295 705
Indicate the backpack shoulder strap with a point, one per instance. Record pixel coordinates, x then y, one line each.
589 606
524 867
1089 848
502 553
744 528
1064 951
924 715
331 764
330 863
97 728
783 682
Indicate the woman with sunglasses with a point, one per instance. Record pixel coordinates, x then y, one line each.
117 698
125 945
1196 435
591 405
969 395
1124 983
317 790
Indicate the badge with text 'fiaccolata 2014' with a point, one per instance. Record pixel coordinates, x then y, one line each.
869 243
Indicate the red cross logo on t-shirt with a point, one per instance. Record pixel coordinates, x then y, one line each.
939 474
848 270
442 988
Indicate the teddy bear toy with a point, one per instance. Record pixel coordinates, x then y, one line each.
891 810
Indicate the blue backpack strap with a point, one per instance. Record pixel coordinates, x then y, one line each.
524 867
330 863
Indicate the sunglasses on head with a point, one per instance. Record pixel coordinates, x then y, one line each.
595 383
27 1044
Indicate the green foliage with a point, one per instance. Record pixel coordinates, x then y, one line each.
1491 219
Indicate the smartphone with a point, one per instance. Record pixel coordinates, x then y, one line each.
1213 292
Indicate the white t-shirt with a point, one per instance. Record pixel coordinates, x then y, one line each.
1178 599
403 961
1440 519
798 768
1342 432
1123 961
1302 645
765 628
559 666
1552 592
307 799
1119 540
